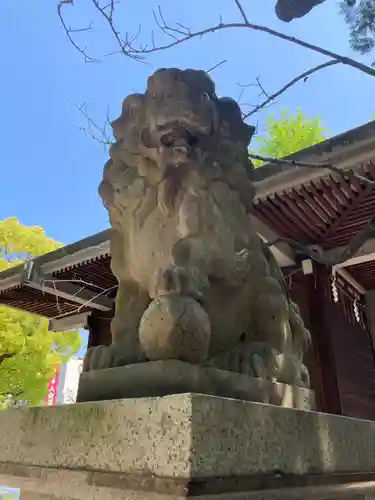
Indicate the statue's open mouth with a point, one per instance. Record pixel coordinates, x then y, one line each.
179 138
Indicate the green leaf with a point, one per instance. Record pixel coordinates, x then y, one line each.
31 352
360 17
287 134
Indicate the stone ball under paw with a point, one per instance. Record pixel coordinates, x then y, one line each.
175 327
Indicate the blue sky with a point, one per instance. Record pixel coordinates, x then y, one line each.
50 169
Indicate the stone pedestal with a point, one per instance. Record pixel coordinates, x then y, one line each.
160 378
185 445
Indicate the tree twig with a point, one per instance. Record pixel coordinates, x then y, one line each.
305 164
302 76
261 94
181 34
93 130
69 31
106 140
216 66
242 11
316 253
123 44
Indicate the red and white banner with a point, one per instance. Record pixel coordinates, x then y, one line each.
53 384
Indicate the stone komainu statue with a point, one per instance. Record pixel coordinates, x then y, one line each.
196 282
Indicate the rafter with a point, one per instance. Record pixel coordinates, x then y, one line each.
357 200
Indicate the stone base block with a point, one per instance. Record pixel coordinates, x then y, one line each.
185 445
160 378
53 484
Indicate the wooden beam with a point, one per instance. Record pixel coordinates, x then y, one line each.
69 322
78 294
283 253
10 282
365 254
355 201
73 293
344 154
349 278
76 258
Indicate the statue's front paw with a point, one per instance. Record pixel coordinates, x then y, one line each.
263 360
117 354
304 377
98 358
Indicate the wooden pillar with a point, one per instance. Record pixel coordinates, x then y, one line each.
370 311
321 324
99 327
310 293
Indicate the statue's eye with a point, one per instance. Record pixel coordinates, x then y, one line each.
206 96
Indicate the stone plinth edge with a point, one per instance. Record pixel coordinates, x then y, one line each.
187 445
162 378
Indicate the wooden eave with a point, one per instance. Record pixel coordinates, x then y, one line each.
312 206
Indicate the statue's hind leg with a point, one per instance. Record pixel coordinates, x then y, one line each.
272 314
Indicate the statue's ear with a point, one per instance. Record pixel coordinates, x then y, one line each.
250 131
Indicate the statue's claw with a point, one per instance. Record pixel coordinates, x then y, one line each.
117 354
97 358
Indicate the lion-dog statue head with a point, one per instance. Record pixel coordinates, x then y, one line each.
177 124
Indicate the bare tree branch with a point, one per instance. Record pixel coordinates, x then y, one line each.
216 66
102 137
262 93
316 253
305 164
124 45
303 76
92 129
69 31
261 87
181 34
242 11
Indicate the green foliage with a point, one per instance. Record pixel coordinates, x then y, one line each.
29 352
9 493
287 134
360 17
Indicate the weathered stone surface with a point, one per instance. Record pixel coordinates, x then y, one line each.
161 378
178 192
40 483
175 327
185 445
